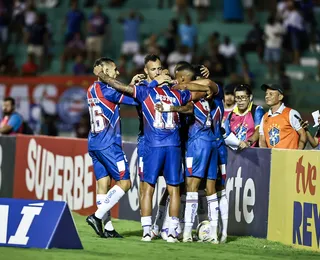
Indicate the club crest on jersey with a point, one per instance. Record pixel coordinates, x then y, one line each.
166 99
241 132
274 134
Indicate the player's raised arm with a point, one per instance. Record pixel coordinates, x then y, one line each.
128 89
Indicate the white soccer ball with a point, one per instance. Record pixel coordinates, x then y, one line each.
204 230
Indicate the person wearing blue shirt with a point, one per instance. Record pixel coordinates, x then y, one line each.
105 147
131 27
12 122
188 33
162 142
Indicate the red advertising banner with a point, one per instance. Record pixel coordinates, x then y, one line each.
59 169
64 96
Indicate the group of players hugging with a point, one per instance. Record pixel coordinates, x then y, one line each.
181 137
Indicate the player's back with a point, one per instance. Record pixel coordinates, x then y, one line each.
161 128
104 116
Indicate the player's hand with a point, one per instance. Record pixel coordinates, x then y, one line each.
137 78
97 70
209 94
161 79
159 107
243 145
205 71
304 124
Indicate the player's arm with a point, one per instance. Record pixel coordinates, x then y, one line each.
313 140
128 89
187 109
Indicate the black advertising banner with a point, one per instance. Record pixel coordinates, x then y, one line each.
248 191
7 164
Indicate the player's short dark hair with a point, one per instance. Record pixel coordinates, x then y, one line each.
102 60
197 71
243 87
181 63
13 102
185 67
151 57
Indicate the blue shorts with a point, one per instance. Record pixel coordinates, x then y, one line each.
272 55
110 162
140 152
202 159
162 159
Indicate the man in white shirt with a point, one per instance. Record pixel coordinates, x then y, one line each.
280 126
274 32
228 50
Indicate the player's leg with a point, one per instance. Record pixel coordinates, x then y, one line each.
212 199
203 205
222 198
197 158
174 177
161 213
153 164
103 182
114 160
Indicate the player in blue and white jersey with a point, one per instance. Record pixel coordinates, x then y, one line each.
162 143
105 147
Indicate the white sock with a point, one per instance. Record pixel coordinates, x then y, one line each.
224 211
160 215
166 218
190 212
203 206
100 198
173 225
182 211
213 212
112 198
146 225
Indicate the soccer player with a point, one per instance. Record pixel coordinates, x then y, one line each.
104 145
201 154
162 143
244 120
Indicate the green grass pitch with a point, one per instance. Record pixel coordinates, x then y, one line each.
132 248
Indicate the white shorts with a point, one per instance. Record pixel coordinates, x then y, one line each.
37 50
130 47
201 3
94 44
247 3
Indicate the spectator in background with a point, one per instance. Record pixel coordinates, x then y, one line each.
202 7
49 125
82 128
30 14
116 3
98 24
8 66
182 54
274 33
17 22
37 38
188 33
228 50
4 28
244 120
248 6
138 61
253 43
12 121
79 67
280 126
75 47
307 7
181 7
30 68
313 140
296 32
131 26
73 21
228 101
171 35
